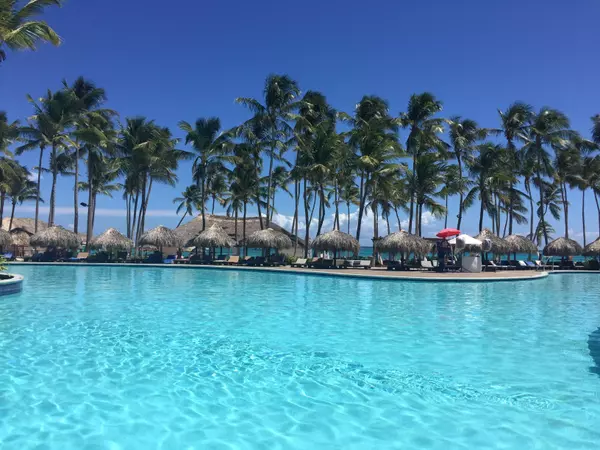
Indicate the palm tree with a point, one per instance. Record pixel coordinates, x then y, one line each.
280 100
567 167
423 130
18 32
216 187
514 125
453 184
190 199
21 190
10 170
464 133
552 204
48 127
210 146
427 180
548 128
105 172
87 101
374 136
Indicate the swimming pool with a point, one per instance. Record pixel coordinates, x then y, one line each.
142 358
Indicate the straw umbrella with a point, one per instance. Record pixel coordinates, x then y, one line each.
404 242
57 237
112 240
520 244
213 237
592 249
499 246
336 240
563 247
268 239
5 238
160 237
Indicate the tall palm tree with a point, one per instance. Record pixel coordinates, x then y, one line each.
210 146
549 128
105 172
18 31
464 133
190 199
453 184
280 100
10 170
427 179
423 133
87 100
21 190
567 169
514 125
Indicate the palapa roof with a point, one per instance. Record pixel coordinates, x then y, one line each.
55 236
112 239
563 247
191 229
520 244
592 249
335 240
26 223
160 236
215 236
498 244
402 241
5 238
21 237
269 238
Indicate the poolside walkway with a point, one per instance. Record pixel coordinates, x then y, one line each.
374 273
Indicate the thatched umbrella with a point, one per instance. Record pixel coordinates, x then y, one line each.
404 242
268 239
592 249
520 244
57 237
112 239
335 240
215 236
20 237
160 237
563 247
499 247
5 238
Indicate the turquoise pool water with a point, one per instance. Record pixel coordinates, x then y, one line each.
144 358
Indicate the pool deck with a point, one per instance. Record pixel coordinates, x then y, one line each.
373 273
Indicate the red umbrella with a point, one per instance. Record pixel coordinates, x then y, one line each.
447 232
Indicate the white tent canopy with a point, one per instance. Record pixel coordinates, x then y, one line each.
466 241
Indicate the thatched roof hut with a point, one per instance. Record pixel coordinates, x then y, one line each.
592 249
335 240
563 247
520 244
21 237
5 238
269 238
191 229
404 242
112 239
498 244
215 236
160 237
56 236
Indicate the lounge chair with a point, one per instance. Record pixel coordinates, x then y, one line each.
520 265
233 260
154 258
427 265
540 265
221 259
579 265
258 261
300 262
394 265
490 266
531 265
8 256
364 264
181 261
82 256
275 261
314 261
169 259
324 264
339 263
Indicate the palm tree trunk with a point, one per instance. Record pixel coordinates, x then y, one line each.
2 199
76 191
53 190
128 216
94 209
583 214
337 207
270 186
182 217
481 216
212 209
375 232
413 188
531 207
446 215
398 219
12 215
259 211
235 228
348 217
321 210
39 188
362 202
135 217
506 220
296 213
203 197
306 219
460 197
541 186
139 229
145 206
387 220
598 208
244 230
360 196
563 194
90 226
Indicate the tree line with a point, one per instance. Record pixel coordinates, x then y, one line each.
518 173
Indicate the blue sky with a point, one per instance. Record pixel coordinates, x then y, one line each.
190 59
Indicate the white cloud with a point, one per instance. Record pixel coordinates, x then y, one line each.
71 226
33 174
